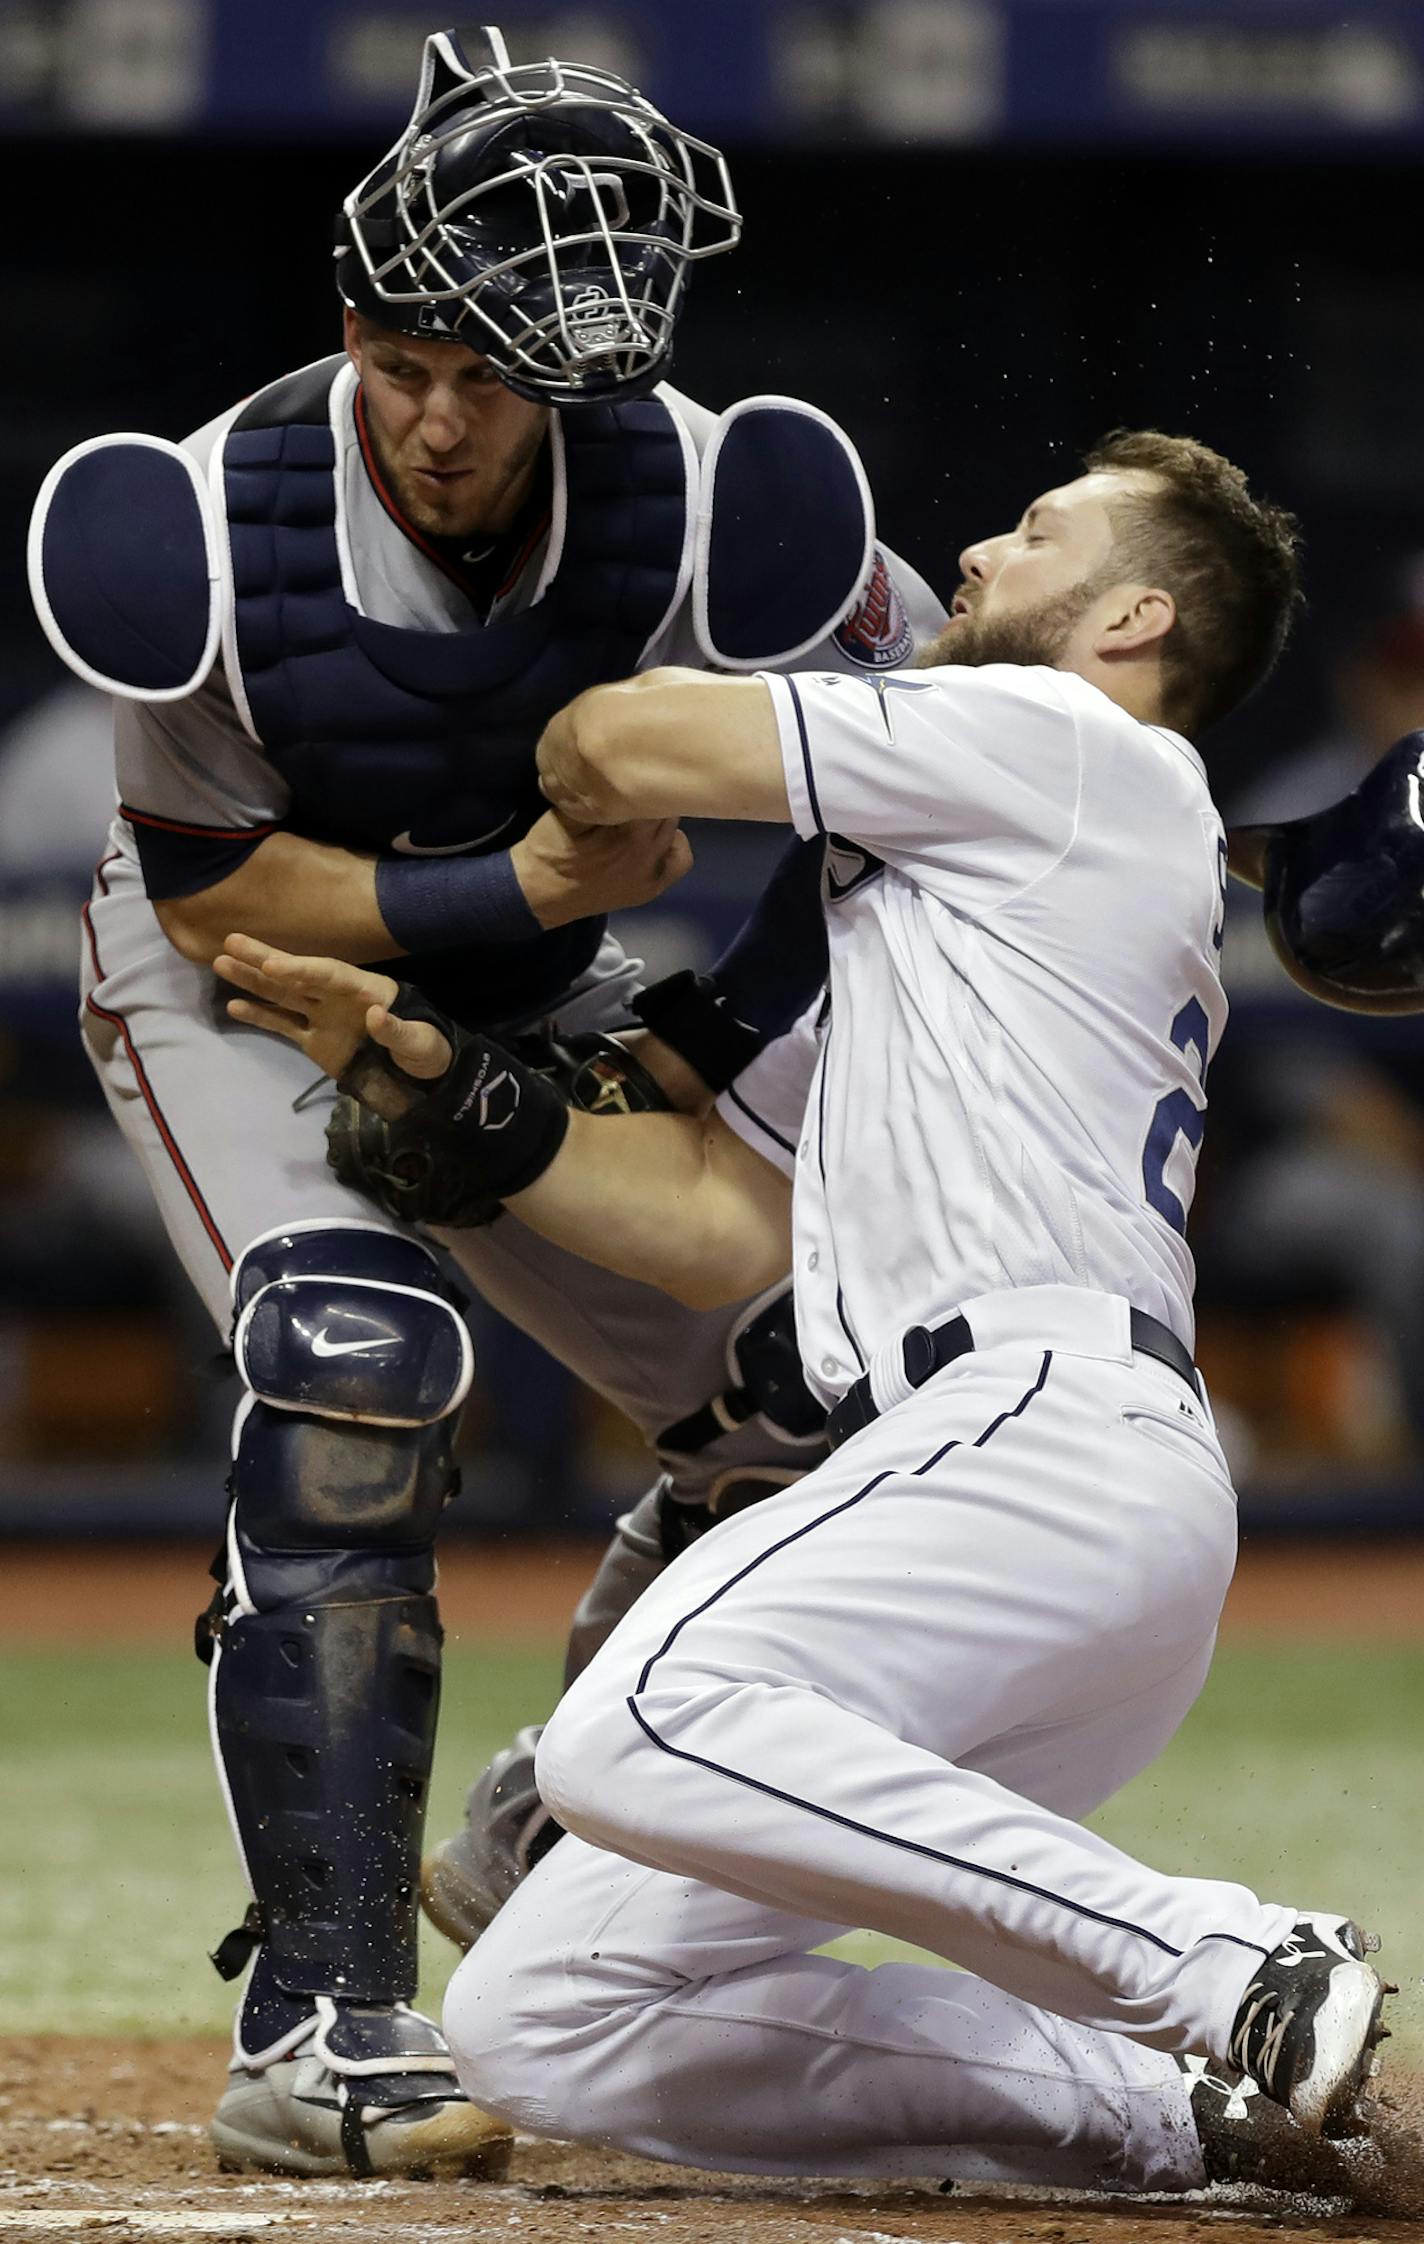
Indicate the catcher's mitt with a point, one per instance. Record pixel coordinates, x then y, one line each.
415 1172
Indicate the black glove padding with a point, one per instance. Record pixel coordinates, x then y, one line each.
379 1142
446 1153
412 1172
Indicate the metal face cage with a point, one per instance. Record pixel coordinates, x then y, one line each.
544 214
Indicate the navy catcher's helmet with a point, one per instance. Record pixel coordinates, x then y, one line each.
545 215
1344 890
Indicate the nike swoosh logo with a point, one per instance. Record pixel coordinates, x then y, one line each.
408 848
321 1346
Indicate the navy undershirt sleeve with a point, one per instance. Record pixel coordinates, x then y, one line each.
776 962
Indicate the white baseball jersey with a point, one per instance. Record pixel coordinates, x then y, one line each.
1024 899
882 1697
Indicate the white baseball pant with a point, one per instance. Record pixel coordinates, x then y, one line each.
877 1700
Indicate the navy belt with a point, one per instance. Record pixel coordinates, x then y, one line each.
927 1349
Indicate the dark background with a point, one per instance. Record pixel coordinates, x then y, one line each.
975 317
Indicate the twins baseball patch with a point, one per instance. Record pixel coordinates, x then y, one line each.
876 634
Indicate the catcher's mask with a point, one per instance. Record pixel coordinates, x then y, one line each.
1344 890
545 215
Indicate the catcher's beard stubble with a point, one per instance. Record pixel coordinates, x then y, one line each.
1028 636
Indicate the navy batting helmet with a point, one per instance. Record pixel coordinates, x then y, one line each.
545 215
1344 890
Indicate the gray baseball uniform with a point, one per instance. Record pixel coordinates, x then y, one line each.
225 1119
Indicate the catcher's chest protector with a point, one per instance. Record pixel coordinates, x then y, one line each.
379 730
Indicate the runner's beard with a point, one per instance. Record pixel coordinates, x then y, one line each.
1028 636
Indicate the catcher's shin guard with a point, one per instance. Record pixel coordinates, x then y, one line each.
326 1640
324 1722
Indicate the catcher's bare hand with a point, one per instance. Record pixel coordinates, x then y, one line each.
568 871
326 1008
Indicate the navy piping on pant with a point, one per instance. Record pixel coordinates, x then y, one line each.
830 1815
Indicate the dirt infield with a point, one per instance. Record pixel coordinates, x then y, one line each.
106 2137
125 1593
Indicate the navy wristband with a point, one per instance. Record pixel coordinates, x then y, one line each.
437 903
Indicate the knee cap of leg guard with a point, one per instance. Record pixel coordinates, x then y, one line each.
317 1247
345 1322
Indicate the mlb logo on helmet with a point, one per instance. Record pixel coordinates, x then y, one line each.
876 634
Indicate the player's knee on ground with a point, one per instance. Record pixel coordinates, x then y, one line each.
504 2036
528 2043
548 2015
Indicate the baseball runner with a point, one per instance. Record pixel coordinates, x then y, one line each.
337 619
882 1698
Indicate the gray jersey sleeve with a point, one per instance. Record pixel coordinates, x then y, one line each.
197 791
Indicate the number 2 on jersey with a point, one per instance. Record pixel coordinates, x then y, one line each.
1177 1116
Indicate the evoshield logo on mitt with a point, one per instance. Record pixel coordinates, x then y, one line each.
876 634
495 1097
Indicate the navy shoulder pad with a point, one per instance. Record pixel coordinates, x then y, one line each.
126 568
294 399
785 531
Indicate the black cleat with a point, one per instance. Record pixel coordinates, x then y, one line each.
1309 2022
1246 2140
